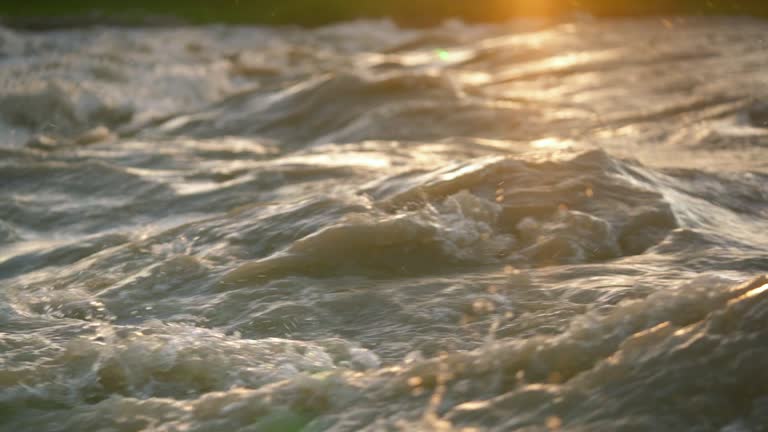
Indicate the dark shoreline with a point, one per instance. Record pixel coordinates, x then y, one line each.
50 15
84 21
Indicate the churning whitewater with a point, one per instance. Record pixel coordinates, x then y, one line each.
518 227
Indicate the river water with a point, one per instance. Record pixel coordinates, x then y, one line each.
528 226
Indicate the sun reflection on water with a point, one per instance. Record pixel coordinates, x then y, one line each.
552 143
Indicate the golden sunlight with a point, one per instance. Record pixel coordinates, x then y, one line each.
536 8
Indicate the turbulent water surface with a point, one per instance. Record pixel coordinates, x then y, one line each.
526 226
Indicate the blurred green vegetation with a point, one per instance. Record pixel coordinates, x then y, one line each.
317 12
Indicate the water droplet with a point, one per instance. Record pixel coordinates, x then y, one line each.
554 422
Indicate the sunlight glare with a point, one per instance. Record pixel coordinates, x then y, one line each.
552 143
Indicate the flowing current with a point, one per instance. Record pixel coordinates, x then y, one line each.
466 228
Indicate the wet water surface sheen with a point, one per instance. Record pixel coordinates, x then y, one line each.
509 227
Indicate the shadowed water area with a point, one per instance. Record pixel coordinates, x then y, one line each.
359 227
